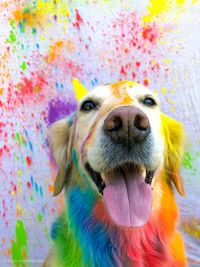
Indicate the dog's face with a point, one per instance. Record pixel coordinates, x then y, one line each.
120 140
117 125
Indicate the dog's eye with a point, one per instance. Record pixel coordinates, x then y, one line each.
88 105
148 101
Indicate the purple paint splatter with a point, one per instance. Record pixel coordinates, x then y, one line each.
58 109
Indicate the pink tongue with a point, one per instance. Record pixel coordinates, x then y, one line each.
128 199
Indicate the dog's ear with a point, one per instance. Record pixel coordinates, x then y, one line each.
174 138
59 136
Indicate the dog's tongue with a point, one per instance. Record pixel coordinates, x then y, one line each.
128 198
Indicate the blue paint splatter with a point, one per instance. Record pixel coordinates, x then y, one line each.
36 187
32 180
41 191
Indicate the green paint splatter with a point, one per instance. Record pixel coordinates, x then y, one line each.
23 65
18 137
40 217
12 24
12 37
19 247
16 157
31 198
188 160
26 10
22 25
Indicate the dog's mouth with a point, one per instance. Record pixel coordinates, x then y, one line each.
127 193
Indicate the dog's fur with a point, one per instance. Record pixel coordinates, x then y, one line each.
85 235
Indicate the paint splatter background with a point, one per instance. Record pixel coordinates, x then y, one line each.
49 47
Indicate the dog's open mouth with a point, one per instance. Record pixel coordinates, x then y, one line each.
127 193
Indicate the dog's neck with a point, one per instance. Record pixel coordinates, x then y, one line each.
96 239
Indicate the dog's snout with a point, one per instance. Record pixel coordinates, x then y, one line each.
127 125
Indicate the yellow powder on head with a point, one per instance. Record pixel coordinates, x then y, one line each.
79 89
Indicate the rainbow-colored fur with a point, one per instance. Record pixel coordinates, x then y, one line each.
85 235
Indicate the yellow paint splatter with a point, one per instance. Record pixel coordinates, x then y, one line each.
49 7
19 172
42 38
79 89
167 60
157 8
40 10
163 90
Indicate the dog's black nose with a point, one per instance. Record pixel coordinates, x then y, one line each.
127 125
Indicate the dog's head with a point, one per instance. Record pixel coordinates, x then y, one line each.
117 140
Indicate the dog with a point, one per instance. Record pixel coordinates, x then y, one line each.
119 159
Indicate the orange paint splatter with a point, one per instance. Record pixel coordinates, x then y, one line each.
57 49
146 82
54 51
51 188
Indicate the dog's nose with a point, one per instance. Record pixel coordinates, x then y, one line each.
127 125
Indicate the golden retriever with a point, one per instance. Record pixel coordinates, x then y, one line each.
119 160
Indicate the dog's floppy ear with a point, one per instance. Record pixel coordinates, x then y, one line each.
174 138
60 142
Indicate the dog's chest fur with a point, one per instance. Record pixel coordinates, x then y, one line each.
83 239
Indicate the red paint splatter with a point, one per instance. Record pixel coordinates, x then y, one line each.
122 71
29 185
78 21
126 50
137 63
1 152
151 33
28 160
37 127
28 90
136 38
30 87
14 187
133 75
